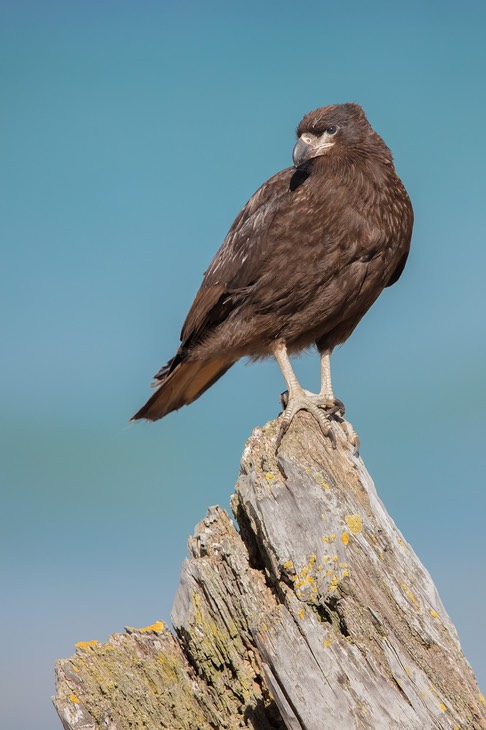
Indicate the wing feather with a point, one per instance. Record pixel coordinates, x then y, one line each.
237 264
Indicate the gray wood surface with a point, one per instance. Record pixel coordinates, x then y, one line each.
313 613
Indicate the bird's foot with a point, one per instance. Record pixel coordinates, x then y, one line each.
330 405
323 409
317 405
351 436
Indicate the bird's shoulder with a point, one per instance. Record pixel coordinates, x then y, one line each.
281 204
247 232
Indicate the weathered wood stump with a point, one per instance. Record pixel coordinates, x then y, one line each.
316 615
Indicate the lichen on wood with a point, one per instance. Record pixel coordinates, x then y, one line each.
313 613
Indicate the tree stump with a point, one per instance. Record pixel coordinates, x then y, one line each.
315 615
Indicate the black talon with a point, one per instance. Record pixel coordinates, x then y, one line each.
339 406
332 438
334 410
284 399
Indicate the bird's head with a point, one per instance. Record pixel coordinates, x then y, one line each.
338 126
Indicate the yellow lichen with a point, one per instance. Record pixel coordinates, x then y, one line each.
409 593
327 642
301 613
73 698
482 699
288 565
433 613
306 580
211 633
443 707
345 538
354 523
84 644
319 479
157 626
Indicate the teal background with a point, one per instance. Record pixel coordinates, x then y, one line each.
130 136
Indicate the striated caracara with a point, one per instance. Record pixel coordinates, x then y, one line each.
302 263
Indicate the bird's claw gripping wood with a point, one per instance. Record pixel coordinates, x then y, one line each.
331 406
310 402
330 409
351 436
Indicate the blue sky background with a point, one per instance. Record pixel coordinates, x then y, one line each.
130 136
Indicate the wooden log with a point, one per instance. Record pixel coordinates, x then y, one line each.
315 615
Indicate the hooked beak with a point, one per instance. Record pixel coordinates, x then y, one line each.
302 152
305 149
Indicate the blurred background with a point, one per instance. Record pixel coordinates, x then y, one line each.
131 134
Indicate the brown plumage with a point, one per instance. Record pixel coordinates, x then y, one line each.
302 263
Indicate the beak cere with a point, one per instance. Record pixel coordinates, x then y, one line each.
302 151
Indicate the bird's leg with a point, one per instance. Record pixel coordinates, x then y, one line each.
326 383
298 398
329 401
335 405
325 398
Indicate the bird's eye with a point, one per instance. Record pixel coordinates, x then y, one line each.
332 129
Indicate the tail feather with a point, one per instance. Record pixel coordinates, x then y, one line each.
186 382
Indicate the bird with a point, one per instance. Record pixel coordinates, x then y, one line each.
302 263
